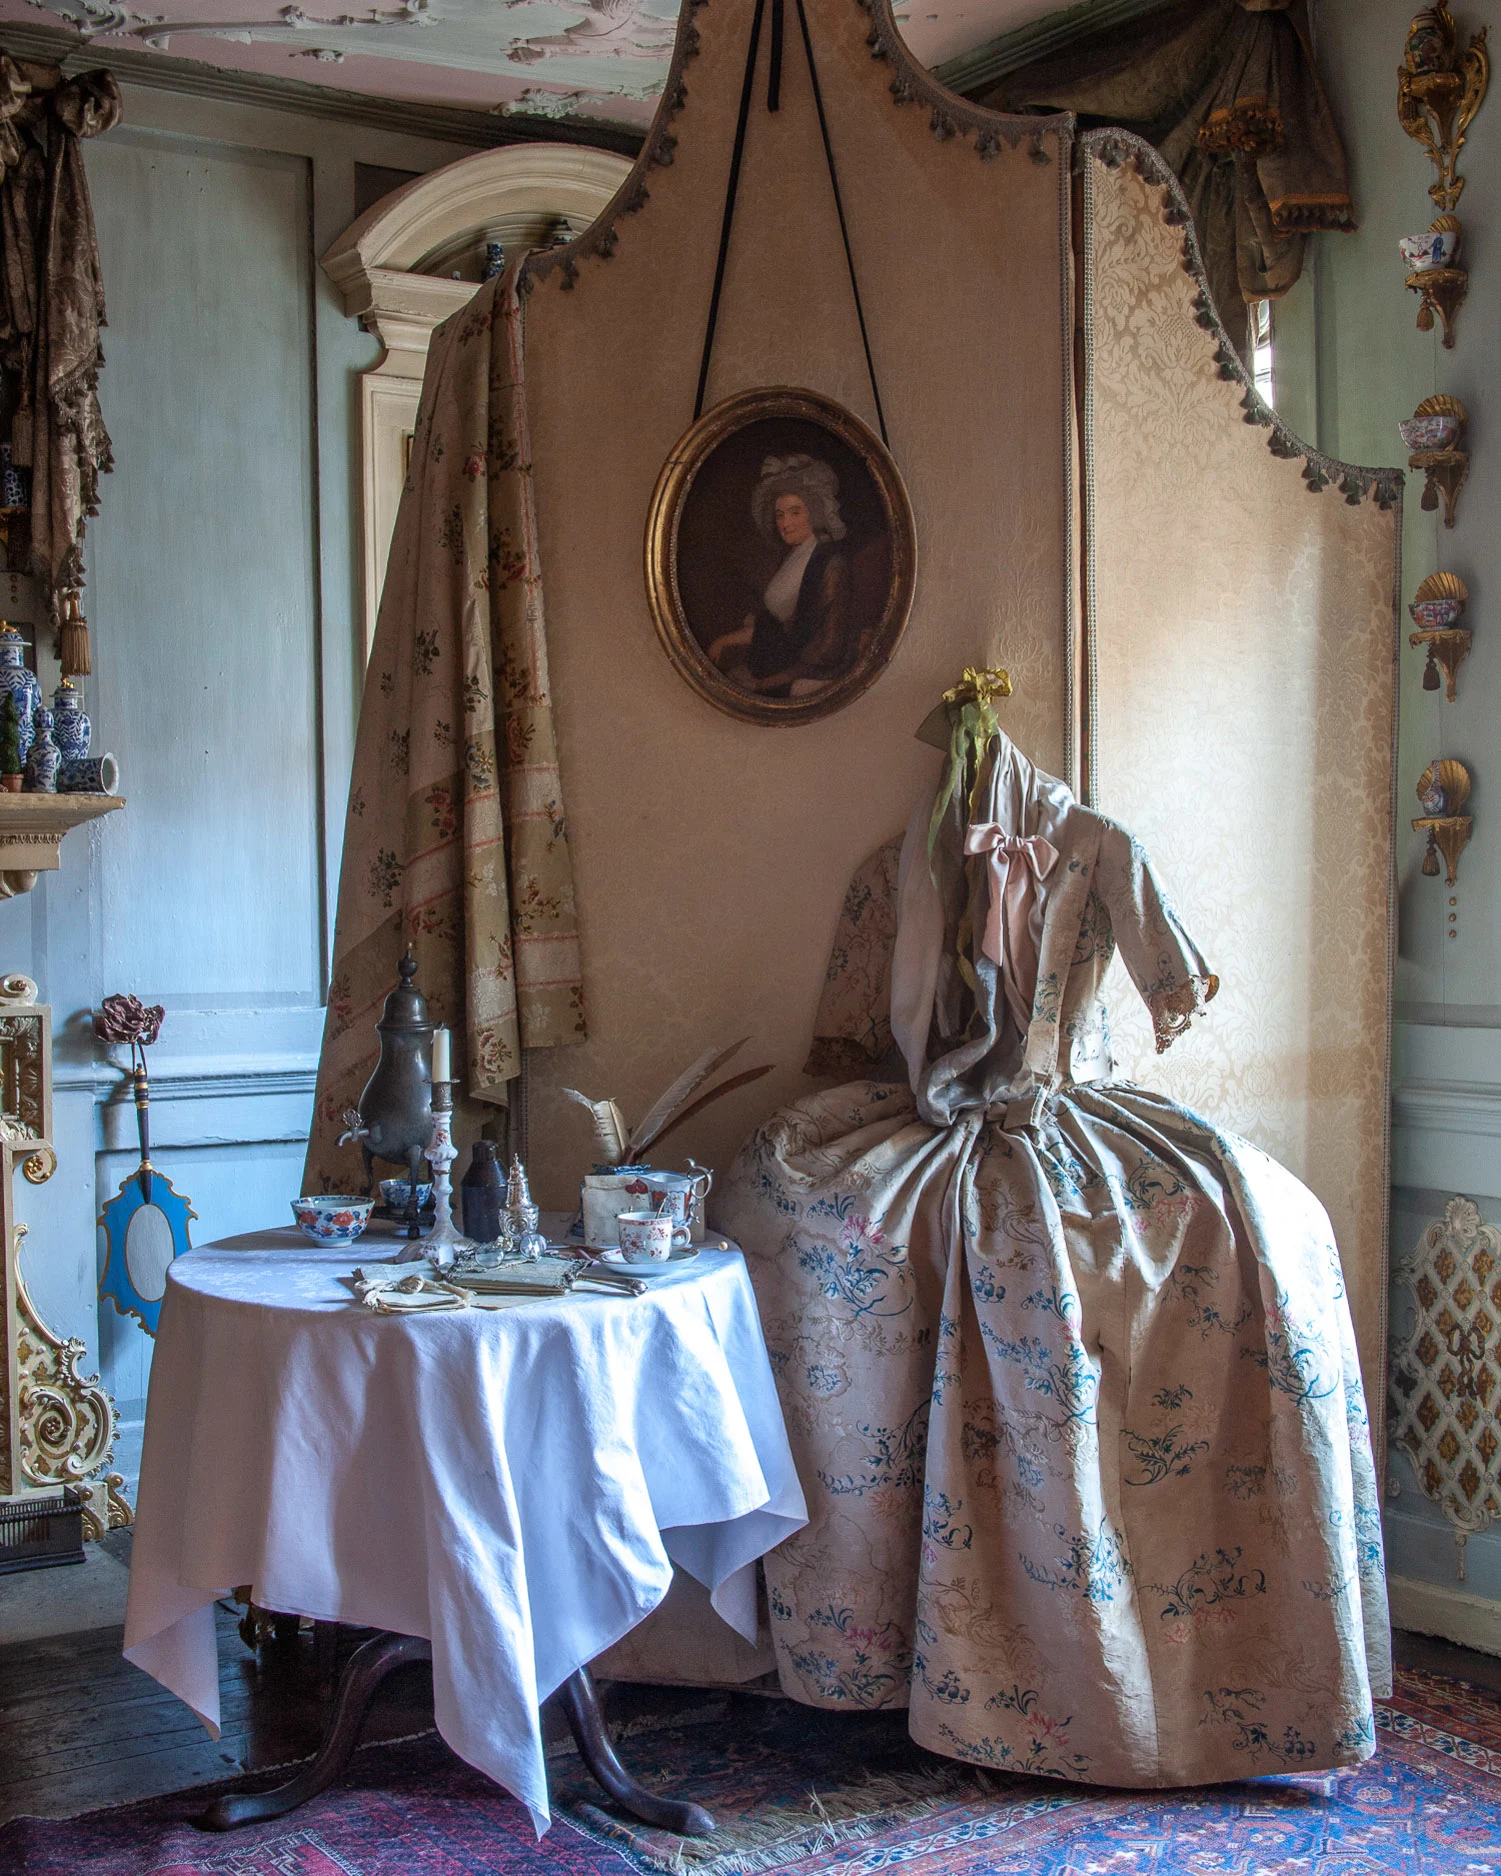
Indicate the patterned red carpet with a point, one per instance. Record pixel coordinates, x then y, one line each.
815 1794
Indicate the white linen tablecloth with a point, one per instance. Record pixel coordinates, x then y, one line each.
514 1485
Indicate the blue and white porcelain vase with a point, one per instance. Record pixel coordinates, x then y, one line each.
15 482
45 757
71 728
15 677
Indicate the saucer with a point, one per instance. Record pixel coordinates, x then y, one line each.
617 1262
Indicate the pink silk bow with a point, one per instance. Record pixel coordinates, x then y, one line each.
1018 865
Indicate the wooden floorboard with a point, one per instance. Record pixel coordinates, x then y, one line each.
81 1727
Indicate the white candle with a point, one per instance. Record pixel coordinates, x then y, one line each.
442 1058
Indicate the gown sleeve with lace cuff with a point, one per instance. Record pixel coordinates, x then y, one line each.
1164 963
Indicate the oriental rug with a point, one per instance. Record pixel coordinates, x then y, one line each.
804 1793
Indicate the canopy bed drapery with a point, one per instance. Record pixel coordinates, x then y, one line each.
1229 94
52 306
1230 574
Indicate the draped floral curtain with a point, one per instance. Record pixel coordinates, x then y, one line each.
455 842
52 304
1229 93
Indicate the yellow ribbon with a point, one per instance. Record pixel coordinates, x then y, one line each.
979 686
973 722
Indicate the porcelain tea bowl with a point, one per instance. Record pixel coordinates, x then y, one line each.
332 1217
395 1192
1435 615
1420 433
1425 252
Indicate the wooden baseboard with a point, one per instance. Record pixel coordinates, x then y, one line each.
1436 1609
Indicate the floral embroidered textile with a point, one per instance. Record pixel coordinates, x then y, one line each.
456 841
1068 1371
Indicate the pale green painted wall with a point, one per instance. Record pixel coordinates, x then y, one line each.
1370 367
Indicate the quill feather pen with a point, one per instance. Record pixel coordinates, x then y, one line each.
684 1088
609 1126
725 1087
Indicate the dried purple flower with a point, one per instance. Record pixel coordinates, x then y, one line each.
127 1019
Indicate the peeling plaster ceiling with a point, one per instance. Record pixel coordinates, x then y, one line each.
604 59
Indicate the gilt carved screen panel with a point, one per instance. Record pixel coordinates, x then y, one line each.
1241 659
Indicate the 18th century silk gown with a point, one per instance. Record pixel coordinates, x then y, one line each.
1069 1372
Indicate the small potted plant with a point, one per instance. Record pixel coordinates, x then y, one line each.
10 744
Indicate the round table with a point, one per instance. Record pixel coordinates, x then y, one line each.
512 1487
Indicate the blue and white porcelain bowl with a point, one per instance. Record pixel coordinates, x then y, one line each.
394 1194
332 1217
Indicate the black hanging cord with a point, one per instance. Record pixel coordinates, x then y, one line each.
774 76
729 206
773 102
828 150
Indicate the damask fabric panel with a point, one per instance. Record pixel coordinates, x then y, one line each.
456 842
1244 643
711 854
1068 1369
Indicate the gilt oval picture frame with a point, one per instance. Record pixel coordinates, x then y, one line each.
780 556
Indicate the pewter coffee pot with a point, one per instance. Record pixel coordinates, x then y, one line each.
394 1120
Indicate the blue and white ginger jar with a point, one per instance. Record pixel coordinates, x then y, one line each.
15 677
71 728
44 758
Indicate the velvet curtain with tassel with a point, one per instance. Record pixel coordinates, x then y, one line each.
1229 93
52 305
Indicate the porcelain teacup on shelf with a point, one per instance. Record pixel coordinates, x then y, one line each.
1425 253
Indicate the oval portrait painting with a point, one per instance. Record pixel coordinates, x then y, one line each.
780 556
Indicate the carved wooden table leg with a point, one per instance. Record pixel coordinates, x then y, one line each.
325 1659
363 1673
367 1667
580 1704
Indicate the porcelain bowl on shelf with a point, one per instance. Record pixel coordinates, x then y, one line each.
1435 615
395 1192
1424 252
332 1217
1420 433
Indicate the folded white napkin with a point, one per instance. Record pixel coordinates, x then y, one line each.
415 1289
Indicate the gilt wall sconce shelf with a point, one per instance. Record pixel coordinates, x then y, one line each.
1443 790
1434 274
1436 610
1436 434
1439 90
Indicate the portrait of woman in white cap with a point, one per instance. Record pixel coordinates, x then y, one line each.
799 639
780 556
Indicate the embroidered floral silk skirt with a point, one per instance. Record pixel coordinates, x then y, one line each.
1079 1418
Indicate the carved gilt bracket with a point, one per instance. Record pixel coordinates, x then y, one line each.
1439 90
57 1425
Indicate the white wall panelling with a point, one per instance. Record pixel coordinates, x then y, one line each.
224 596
